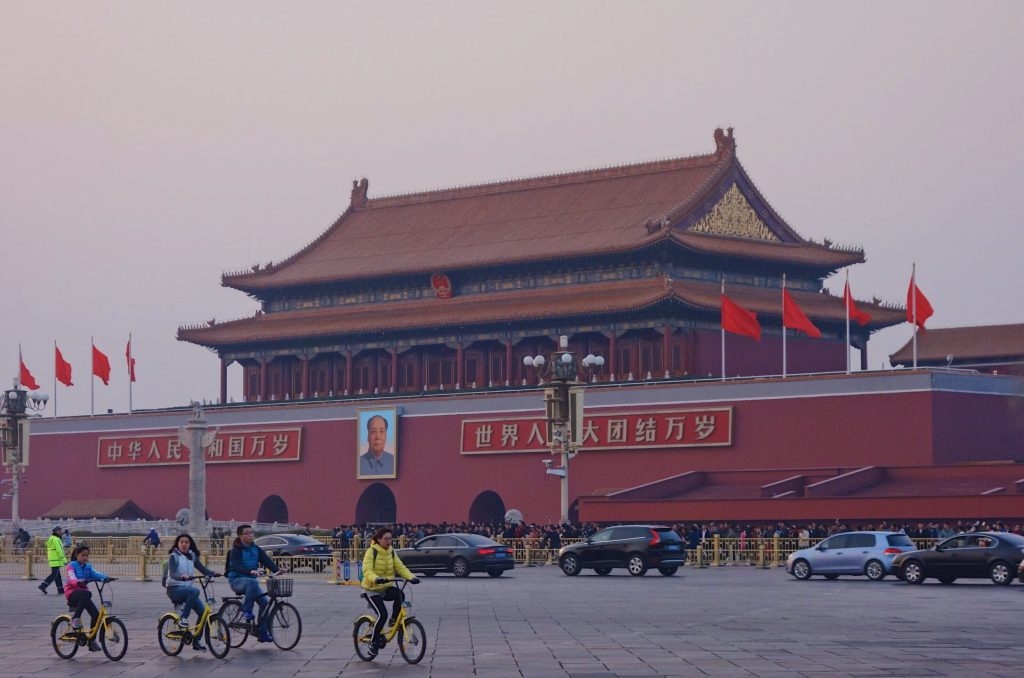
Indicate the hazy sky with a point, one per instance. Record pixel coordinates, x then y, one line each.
149 147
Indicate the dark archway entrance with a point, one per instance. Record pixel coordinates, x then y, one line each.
376 505
487 508
272 510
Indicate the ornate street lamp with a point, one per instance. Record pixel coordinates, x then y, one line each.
16 407
563 407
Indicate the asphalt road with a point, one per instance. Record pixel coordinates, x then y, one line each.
536 622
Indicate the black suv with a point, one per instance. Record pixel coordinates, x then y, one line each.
634 547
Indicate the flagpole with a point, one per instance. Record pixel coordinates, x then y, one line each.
130 373
723 333
913 305
55 378
783 325
847 298
92 378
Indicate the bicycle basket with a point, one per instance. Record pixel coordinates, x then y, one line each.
281 588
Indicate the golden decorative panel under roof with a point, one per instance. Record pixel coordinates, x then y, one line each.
733 216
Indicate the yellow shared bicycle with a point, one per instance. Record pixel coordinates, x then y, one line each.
110 630
411 637
173 636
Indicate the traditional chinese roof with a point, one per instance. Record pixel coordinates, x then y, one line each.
517 307
83 509
964 344
705 204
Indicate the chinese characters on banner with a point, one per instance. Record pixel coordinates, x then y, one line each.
617 431
228 447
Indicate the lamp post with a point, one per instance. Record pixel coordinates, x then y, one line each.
16 406
563 407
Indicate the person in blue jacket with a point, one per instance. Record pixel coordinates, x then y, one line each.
243 563
80 573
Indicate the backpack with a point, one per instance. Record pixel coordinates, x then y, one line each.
163 572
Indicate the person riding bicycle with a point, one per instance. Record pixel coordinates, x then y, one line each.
243 563
183 562
380 563
77 592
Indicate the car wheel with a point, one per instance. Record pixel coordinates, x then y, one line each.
637 565
495 573
460 568
802 569
913 572
874 570
1000 573
831 577
668 571
947 580
603 571
570 564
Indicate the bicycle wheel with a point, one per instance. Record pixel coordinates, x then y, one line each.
231 614
285 626
362 634
218 636
412 641
169 635
63 637
114 639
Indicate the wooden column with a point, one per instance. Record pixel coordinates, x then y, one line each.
666 350
224 381
508 362
348 372
263 380
394 369
460 371
305 376
613 356
864 354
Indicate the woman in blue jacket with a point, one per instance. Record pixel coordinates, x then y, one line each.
182 564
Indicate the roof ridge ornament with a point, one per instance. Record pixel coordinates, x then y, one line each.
724 141
359 190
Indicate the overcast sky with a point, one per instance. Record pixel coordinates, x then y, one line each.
149 147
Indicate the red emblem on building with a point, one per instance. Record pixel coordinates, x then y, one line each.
442 285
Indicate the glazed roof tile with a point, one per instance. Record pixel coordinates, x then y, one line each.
964 343
568 215
514 307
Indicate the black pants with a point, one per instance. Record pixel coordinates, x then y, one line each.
54 576
81 600
377 600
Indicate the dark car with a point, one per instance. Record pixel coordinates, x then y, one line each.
634 547
972 555
459 554
307 551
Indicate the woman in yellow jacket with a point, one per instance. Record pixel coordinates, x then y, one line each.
381 563
57 559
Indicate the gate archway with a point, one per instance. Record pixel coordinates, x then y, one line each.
272 510
488 508
376 505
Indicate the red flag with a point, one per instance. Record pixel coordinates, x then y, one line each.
25 378
131 360
916 299
62 368
794 318
739 320
100 365
861 317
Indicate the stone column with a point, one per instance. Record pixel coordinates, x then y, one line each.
196 436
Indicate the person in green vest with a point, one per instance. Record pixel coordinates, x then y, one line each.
57 559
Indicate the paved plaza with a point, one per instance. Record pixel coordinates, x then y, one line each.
536 622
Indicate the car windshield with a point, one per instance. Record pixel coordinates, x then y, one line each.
478 540
667 534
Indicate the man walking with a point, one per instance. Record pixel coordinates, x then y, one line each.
57 559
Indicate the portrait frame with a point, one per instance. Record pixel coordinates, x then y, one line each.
366 465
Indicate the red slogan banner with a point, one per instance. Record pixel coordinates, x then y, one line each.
616 431
228 447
